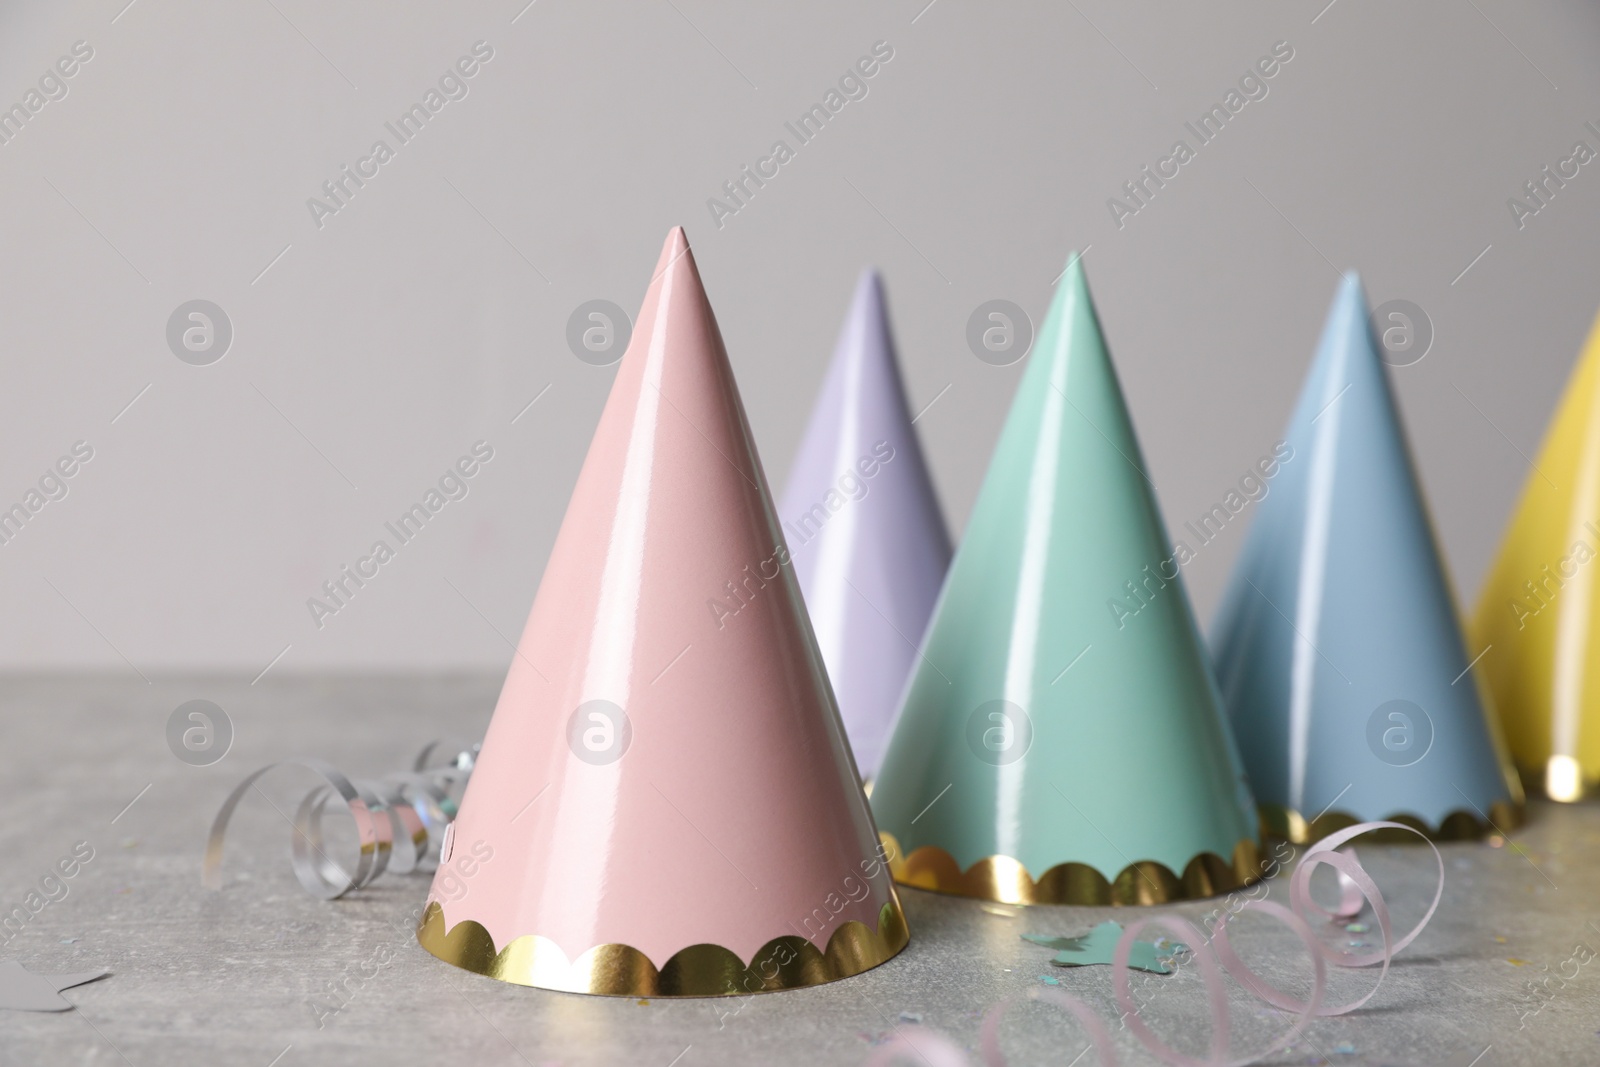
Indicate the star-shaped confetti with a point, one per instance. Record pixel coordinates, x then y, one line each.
1100 944
22 990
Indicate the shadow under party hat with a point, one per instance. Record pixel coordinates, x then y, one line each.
870 546
1051 747
1338 644
1538 611
665 802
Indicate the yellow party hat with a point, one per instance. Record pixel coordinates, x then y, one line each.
1538 616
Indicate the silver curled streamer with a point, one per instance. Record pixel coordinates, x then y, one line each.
401 820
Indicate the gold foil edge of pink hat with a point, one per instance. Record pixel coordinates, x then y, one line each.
788 962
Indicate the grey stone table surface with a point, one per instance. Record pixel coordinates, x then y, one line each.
230 977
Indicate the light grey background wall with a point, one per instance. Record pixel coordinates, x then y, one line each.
369 352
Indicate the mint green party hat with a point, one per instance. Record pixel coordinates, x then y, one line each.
1061 739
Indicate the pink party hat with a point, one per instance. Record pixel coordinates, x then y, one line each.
665 803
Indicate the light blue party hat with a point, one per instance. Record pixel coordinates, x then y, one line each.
1339 647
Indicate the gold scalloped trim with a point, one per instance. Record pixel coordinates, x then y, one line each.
787 962
1280 821
1005 880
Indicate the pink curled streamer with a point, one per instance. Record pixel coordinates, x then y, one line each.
1350 897
1216 992
1356 887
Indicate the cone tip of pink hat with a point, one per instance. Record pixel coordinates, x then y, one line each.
675 247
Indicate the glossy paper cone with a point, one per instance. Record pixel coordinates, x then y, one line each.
1338 647
665 803
1061 739
1538 609
869 544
